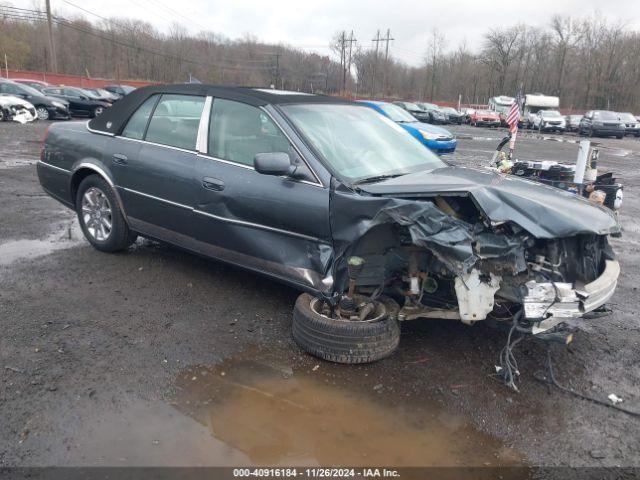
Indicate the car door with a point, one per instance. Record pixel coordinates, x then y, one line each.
153 161
273 224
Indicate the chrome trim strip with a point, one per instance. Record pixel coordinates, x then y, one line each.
229 162
164 200
225 219
40 162
203 128
99 132
298 276
258 225
193 152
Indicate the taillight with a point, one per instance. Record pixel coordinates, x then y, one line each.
42 144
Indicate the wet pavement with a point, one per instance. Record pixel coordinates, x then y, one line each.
159 357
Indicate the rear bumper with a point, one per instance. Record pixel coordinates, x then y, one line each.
552 303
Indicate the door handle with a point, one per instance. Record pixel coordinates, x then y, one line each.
211 183
120 159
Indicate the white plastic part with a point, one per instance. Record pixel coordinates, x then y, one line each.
475 297
581 163
415 285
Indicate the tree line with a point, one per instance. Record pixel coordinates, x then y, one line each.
588 62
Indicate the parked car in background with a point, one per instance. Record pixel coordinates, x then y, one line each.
631 123
602 123
433 137
15 108
37 84
572 122
452 115
550 121
336 200
80 104
484 118
47 107
415 110
466 114
119 90
436 115
101 94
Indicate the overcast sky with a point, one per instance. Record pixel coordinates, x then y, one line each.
310 24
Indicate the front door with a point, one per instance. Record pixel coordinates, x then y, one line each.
272 224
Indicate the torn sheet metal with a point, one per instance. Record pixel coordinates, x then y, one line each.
451 240
543 211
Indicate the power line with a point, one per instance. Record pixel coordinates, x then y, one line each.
34 15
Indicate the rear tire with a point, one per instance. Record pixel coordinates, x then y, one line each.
344 341
107 232
42 112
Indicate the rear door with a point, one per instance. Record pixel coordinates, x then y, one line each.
153 161
276 225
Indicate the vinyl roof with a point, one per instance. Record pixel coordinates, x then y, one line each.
113 118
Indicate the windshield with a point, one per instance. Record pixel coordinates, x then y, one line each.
627 117
127 88
396 113
484 112
359 143
550 113
28 90
604 115
90 93
412 106
449 110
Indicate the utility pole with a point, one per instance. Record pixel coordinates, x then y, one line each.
387 39
343 59
348 63
52 46
277 55
375 64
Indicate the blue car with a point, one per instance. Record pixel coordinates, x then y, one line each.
435 138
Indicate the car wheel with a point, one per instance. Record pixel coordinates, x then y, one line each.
590 133
346 341
619 137
42 112
100 217
97 112
3 116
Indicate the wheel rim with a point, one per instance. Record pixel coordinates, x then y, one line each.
378 314
96 214
1 115
98 111
43 113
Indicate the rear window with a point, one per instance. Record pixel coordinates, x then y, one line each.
605 116
137 124
175 121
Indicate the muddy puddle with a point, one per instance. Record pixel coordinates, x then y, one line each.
278 415
65 236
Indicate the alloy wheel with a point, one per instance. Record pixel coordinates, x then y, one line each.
97 214
43 113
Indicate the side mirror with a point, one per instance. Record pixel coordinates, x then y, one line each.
276 163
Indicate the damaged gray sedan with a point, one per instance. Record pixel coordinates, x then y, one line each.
333 198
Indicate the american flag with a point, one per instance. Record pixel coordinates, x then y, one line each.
514 113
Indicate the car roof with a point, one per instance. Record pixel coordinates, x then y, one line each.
112 120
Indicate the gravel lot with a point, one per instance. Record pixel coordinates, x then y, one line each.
160 357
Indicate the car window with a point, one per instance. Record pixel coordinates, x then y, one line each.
175 121
238 132
138 122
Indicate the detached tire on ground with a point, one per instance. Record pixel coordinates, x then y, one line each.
345 341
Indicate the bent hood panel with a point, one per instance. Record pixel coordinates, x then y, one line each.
544 211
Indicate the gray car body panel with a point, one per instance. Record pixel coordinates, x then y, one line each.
294 230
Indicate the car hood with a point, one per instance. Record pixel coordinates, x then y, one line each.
543 211
8 100
429 128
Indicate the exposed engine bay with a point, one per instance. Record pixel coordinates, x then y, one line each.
441 257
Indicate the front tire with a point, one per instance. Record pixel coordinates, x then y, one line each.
345 341
100 217
42 112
